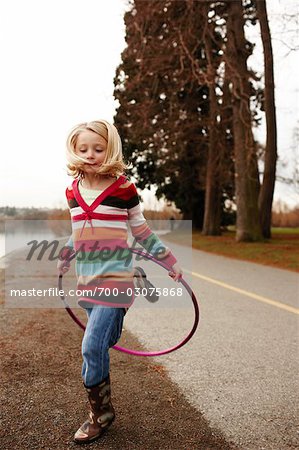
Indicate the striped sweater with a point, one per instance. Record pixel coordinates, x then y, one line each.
99 236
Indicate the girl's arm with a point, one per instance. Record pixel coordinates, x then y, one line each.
70 243
67 251
63 264
147 238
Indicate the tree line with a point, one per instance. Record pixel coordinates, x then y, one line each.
188 106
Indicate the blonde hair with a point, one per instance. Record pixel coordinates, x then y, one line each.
113 163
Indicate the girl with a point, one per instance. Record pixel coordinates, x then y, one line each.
102 203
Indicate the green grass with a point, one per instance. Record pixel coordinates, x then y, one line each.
278 230
281 251
274 230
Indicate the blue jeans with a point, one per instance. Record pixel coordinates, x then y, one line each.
103 330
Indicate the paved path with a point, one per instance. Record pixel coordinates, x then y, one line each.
241 367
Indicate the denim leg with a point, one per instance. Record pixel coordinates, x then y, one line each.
103 330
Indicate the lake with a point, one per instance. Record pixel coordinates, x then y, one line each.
18 233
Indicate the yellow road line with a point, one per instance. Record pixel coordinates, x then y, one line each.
247 293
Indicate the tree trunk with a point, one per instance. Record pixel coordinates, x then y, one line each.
212 214
267 189
246 171
194 210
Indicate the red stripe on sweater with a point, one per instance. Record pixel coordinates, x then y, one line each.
125 193
100 216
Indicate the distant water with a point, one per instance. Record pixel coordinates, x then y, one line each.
19 239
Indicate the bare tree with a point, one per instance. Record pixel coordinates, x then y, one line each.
270 158
246 171
212 215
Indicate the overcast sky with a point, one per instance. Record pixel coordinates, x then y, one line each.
58 62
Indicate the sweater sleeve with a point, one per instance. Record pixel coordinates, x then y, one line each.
70 242
142 232
70 199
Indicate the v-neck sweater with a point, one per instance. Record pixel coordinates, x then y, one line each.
100 236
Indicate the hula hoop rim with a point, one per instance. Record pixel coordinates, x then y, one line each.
139 352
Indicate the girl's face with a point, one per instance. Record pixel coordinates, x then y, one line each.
91 147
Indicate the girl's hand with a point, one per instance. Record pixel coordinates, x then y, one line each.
64 261
63 266
176 272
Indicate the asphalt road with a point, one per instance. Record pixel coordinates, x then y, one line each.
241 367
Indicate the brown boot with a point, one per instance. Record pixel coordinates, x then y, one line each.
101 413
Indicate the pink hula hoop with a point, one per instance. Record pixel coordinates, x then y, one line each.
137 352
